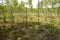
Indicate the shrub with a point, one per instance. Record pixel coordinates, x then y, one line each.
35 31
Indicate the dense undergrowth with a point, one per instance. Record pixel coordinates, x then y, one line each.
30 31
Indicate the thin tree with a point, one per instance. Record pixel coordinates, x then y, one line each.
15 4
30 4
3 11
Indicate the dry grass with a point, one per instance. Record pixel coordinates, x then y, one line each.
44 18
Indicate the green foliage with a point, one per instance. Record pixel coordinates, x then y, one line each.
7 2
30 2
1 8
15 3
21 6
